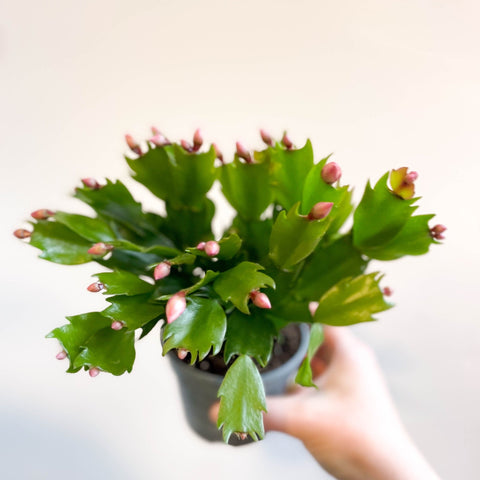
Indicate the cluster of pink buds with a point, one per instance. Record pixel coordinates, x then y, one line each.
158 138
437 232
117 325
182 353
93 371
162 270
242 152
100 249
286 142
96 287
91 183
387 291
42 214
260 300
176 305
320 210
211 248
402 182
218 153
133 145
22 233
267 138
331 173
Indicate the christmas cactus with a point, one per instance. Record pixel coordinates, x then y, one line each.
284 259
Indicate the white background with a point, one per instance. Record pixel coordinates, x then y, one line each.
380 84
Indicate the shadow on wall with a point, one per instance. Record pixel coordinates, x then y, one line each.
33 450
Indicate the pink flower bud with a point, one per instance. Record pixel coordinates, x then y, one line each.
331 173
186 146
242 152
267 138
42 214
175 306
133 145
159 140
320 210
437 232
197 140
99 249
312 307
212 248
218 153
410 177
162 270
241 435
61 355
288 144
201 246
93 371
96 287
156 131
387 291
116 325
182 353
22 233
260 299
91 183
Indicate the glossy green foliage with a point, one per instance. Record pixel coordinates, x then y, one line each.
199 329
380 216
242 400
235 285
124 283
328 265
246 187
304 374
88 339
134 311
92 229
289 169
251 335
229 246
59 244
352 300
294 237
180 178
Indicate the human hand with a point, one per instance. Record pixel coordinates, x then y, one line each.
349 424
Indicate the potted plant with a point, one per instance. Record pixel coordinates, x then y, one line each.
286 259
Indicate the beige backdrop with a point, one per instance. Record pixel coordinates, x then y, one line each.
380 84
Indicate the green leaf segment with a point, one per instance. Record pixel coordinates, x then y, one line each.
272 246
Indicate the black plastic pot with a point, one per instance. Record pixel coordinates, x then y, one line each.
199 388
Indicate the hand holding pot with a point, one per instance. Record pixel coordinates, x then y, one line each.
349 424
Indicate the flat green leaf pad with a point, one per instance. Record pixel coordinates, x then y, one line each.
242 400
235 285
304 375
251 335
352 300
199 329
123 283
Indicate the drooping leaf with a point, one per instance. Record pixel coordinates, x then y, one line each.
123 283
92 229
242 400
327 266
199 329
175 175
246 187
251 335
414 239
380 216
235 285
59 244
134 311
294 237
74 335
110 350
289 171
304 374
352 300
115 202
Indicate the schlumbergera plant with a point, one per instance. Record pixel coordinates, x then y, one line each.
284 259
